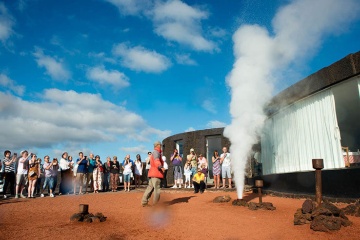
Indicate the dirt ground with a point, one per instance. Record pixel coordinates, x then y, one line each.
180 215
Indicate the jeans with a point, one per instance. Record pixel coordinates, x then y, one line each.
48 182
106 182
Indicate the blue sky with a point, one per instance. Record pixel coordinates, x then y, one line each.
113 76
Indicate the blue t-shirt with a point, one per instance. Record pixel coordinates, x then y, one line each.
82 166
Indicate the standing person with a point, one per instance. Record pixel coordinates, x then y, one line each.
54 173
89 174
106 179
202 160
138 170
127 170
81 171
98 174
9 172
33 174
225 162
199 181
166 167
216 169
114 173
48 174
176 160
66 174
187 173
21 176
156 173
40 179
147 161
194 162
132 166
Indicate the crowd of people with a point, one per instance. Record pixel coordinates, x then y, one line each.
26 175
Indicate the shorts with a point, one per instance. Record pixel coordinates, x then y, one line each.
127 177
49 181
21 179
80 177
225 172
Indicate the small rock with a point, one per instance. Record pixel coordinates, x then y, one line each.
308 206
240 202
332 208
77 217
321 211
325 223
267 206
88 220
221 199
95 219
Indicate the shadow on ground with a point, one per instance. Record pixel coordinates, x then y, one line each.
178 200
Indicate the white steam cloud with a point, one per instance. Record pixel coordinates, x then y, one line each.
299 28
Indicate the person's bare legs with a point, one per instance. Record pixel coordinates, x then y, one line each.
223 182
230 183
218 181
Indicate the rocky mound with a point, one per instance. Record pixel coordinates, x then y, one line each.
326 217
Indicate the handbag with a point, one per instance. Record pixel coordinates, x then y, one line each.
32 173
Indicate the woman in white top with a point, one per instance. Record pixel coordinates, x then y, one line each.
138 170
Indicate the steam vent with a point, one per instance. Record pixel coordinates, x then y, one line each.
322 111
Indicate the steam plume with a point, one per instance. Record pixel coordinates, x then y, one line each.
299 28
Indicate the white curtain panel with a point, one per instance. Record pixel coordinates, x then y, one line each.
301 132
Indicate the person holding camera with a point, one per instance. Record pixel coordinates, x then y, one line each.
9 172
49 167
33 174
66 174
192 157
176 160
21 176
81 172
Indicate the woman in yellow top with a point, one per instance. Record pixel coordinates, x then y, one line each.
199 181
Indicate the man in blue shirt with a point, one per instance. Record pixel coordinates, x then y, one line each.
82 163
89 174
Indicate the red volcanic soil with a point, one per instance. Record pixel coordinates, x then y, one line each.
179 215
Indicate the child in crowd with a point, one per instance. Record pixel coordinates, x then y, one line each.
187 173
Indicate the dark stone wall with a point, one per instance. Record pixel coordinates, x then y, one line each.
340 183
195 139
337 72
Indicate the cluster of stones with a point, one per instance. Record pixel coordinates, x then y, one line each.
243 203
326 217
87 217
254 206
353 209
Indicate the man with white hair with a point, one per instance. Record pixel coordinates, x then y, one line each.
225 162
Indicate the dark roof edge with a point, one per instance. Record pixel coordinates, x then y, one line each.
337 72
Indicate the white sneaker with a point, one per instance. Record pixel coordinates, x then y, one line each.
179 186
51 195
42 195
16 196
5 196
174 186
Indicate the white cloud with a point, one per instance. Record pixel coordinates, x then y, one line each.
179 22
141 149
215 124
10 84
67 117
112 77
190 129
209 106
131 7
6 23
185 59
140 59
53 67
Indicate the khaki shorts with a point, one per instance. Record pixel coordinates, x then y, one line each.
21 179
80 177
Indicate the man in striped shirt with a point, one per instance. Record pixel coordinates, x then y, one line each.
9 172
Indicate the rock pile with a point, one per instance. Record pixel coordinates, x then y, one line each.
87 217
326 217
254 206
221 199
353 209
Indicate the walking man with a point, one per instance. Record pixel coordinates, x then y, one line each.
156 174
